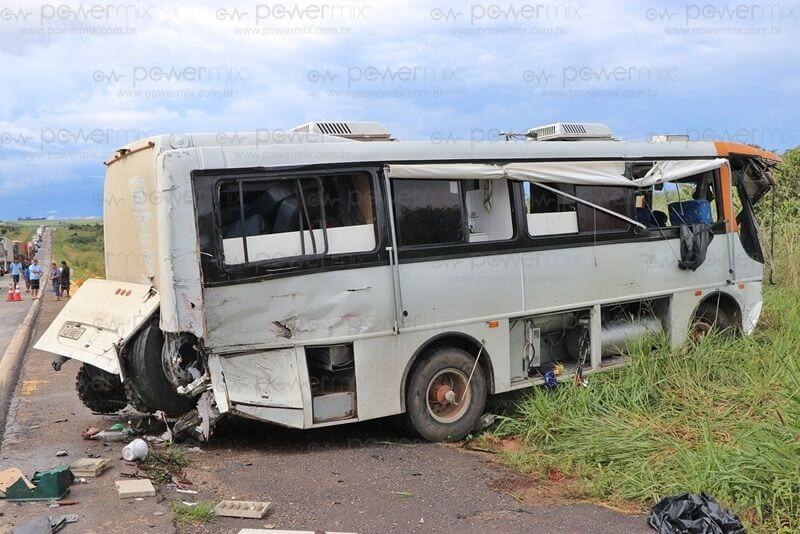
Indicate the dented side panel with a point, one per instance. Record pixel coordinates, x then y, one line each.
312 308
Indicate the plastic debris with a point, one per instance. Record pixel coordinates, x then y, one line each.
47 486
693 514
135 450
550 381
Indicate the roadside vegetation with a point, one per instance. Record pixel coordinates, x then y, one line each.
18 231
720 416
81 246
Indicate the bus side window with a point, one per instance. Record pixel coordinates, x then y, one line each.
428 212
549 213
688 201
616 199
263 220
431 212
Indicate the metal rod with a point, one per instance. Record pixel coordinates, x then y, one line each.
587 203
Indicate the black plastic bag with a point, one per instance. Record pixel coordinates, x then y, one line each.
693 514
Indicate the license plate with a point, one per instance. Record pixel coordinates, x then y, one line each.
71 331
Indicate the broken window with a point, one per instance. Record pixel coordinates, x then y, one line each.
262 220
692 200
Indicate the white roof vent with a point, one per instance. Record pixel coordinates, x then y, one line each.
355 130
570 131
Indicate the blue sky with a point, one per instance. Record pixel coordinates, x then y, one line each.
81 79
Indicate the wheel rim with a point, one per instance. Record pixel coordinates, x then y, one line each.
447 395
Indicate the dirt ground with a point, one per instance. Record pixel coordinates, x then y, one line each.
364 478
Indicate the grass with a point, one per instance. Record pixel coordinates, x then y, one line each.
17 231
199 513
81 246
162 464
720 416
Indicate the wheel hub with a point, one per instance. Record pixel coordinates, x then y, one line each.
448 396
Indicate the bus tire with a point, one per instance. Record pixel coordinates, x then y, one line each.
149 389
100 391
710 317
439 406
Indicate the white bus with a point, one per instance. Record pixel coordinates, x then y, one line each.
330 274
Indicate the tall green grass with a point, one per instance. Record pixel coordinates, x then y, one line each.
720 416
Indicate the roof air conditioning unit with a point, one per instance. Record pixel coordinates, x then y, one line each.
355 130
669 138
570 131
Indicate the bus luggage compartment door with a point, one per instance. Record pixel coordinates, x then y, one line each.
101 317
269 378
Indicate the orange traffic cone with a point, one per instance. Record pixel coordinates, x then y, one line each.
17 295
10 296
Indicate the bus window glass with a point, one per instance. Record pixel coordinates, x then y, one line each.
549 213
295 217
616 199
428 212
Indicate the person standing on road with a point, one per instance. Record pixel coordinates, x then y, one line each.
36 273
65 278
55 280
16 270
26 275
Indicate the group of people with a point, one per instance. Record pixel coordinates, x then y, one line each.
32 274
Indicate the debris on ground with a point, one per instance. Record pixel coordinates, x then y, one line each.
44 486
9 476
248 509
62 453
135 450
89 467
141 487
693 514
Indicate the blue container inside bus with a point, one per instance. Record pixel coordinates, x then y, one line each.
690 212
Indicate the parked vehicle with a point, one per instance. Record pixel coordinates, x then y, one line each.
308 278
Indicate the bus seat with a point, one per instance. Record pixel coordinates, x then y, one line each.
690 212
286 219
651 219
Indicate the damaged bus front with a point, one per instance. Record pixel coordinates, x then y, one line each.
313 279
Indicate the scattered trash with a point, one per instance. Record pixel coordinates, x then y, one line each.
62 453
250 509
195 450
110 436
135 450
57 523
89 432
135 488
9 476
89 467
66 502
40 525
693 514
485 421
402 493
550 381
187 491
61 420
117 427
44 486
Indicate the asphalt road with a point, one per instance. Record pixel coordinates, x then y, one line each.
364 478
13 313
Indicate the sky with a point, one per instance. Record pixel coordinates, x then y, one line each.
81 79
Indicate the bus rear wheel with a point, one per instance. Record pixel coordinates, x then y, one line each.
442 402
149 388
711 317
